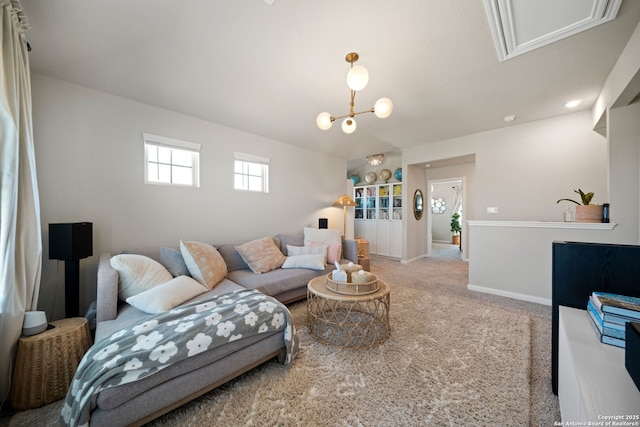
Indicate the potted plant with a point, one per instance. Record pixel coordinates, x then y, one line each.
455 228
585 211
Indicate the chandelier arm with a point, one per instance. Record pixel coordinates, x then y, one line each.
351 104
370 110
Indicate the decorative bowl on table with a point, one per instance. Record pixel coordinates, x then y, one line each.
349 269
353 288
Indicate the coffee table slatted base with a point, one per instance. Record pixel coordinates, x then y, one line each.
348 321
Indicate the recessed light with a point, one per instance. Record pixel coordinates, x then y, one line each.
573 104
508 119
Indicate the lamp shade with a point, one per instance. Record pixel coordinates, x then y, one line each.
383 108
349 125
324 121
345 200
357 78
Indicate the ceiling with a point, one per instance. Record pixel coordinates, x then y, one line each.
269 70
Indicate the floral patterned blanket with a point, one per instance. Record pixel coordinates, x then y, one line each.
159 341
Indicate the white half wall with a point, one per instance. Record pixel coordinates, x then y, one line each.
89 154
514 258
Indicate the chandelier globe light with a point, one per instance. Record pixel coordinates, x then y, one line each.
383 108
324 121
357 79
349 125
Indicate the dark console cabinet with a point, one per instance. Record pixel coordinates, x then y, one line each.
578 269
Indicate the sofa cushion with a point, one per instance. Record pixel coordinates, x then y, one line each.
204 262
276 282
166 296
173 261
232 257
313 262
325 236
137 273
262 255
289 239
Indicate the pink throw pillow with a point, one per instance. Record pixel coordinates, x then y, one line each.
333 251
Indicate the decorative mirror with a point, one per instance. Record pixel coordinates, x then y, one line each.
418 204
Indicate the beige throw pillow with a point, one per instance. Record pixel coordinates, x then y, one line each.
261 255
204 262
138 273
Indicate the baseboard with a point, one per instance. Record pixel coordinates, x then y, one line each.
407 261
514 295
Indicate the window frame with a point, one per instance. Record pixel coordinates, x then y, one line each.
192 148
248 160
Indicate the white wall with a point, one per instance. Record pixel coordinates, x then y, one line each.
527 247
524 169
415 246
89 154
623 132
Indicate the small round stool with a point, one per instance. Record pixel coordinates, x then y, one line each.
47 362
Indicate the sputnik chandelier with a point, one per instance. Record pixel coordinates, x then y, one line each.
357 79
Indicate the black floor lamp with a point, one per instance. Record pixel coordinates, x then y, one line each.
71 242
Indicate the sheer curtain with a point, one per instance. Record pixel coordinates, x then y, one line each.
20 235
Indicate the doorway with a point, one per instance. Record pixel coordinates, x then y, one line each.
445 197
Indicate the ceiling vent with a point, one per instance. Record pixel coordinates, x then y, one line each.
519 26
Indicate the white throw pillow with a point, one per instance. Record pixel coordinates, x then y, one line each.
164 297
204 262
308 250
312 262
138 273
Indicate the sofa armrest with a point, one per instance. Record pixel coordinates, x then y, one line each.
350 250
107 290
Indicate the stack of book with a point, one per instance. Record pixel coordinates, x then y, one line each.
609 313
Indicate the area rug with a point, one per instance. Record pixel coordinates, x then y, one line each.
448 362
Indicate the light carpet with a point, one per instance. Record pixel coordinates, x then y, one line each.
448 361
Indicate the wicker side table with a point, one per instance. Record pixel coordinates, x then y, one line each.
363 253
348 321
46 363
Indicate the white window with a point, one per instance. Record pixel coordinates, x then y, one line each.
171 161
251 173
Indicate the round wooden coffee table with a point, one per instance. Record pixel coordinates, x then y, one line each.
349 321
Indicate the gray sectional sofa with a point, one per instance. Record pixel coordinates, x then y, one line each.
141 401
